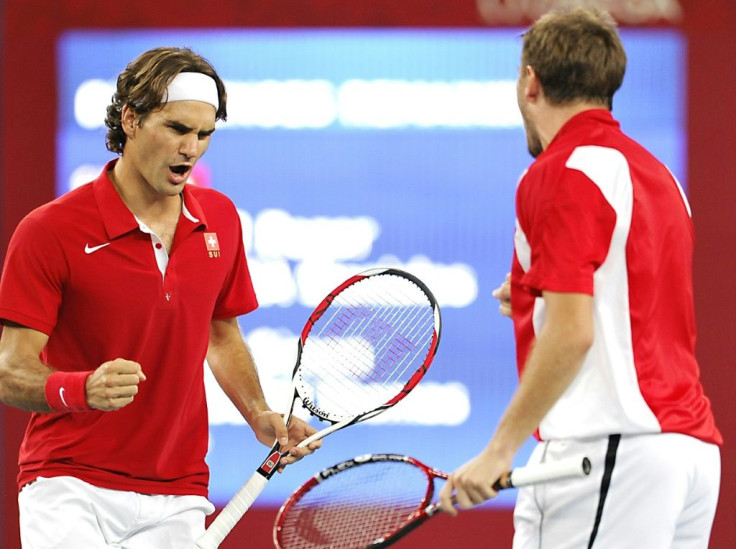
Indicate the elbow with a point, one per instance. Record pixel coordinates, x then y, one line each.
4 380
585 338
8 377
580 340
573 341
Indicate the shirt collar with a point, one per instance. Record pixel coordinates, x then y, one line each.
119 220
116 216
192 209
582 121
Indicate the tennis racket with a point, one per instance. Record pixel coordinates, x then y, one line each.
363 349
374 500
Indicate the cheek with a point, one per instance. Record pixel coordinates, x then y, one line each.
203 146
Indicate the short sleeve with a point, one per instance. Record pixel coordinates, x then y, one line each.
237 296
570 237
33 277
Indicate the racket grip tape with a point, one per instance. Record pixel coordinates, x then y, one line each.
232 512
543 472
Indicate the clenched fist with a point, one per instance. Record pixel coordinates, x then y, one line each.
114 384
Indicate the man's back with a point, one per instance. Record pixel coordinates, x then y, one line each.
602 216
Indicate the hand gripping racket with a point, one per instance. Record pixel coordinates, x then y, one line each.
363 349
373 500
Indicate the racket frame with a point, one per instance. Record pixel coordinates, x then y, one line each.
577 466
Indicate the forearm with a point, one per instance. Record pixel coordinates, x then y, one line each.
552 366
22 383
234 369
22 375
548 373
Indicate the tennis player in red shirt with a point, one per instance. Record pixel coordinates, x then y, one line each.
600 294
111 298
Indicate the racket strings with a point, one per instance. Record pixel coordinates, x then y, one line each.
365 354
374 320
366 358
366 346
355 507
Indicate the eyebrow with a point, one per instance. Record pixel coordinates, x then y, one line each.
181 127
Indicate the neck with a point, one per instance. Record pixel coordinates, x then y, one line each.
554 117
140 198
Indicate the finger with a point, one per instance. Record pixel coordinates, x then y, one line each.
447 500
111 405
298 452
309 430
279 428
122 380
288 459
463 499
126 391
122 366
486 492
113 399
475 495
121 402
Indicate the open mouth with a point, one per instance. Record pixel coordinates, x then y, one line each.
180 173
179 170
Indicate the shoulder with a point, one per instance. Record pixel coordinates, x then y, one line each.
213 208
210 199
54 216
546 171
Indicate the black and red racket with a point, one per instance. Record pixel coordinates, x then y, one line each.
363 349
374 500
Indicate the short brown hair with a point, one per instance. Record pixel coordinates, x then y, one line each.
143 83
577 55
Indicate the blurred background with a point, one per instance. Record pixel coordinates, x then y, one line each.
374 133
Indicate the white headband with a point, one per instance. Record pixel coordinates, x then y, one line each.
192 86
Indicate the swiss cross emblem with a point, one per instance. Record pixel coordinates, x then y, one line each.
213 245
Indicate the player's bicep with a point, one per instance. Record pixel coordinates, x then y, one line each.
227 351
18 341
570 315
223 331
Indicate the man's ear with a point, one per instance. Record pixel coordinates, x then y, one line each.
129 120
532 86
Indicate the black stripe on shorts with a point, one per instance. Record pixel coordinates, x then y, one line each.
613 441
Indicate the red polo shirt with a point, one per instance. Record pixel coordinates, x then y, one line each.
82 270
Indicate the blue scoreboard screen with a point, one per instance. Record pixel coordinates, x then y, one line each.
349 149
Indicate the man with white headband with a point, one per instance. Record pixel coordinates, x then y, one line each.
111 298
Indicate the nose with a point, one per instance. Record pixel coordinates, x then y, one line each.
189 145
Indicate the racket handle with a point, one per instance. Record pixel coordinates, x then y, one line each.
232 513
543 472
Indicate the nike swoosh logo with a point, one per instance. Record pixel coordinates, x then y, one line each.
90 249
61 395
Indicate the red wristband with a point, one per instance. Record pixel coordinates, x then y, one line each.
66 391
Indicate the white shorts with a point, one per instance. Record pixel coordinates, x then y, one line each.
67 513
656 491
